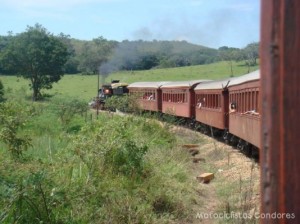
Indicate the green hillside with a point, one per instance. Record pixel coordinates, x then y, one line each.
212 71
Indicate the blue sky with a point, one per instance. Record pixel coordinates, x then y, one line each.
212 23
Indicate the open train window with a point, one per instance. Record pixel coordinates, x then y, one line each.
175 96
247 101
212 101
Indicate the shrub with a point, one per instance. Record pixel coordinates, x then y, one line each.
1 92
110 144
13 117
126 103
67 109
127 159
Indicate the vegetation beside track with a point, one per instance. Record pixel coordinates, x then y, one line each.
76 167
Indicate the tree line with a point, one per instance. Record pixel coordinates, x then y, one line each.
43 58
104 56
87 57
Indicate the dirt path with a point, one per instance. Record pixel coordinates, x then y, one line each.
235 188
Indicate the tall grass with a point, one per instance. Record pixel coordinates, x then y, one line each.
108 170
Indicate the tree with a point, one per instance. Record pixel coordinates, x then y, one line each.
71 66
1 92
147 61
38 56
94 54
228 54
248 54
4 40
251 54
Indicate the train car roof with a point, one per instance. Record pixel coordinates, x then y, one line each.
184 84
220 84
154 85
252 76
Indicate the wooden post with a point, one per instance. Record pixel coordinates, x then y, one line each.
280 81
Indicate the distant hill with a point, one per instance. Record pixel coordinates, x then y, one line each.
143 55
108 56
173 47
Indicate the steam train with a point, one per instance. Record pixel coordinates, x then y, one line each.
230 106
115 88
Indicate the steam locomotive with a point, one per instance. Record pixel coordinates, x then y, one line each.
115 88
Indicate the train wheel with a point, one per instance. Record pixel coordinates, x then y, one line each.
233 141
247 149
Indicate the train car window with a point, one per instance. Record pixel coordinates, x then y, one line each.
250 99
246 101
253 98
175 96
239 101
241 105
233 106
148 95
215 101
256 100
207 97
212 101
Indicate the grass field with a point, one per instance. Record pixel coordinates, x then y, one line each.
85 87
210 71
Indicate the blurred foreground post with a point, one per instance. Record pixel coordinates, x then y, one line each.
280 81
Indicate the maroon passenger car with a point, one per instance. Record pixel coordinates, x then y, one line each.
149 94
212 103
245 120
178 98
